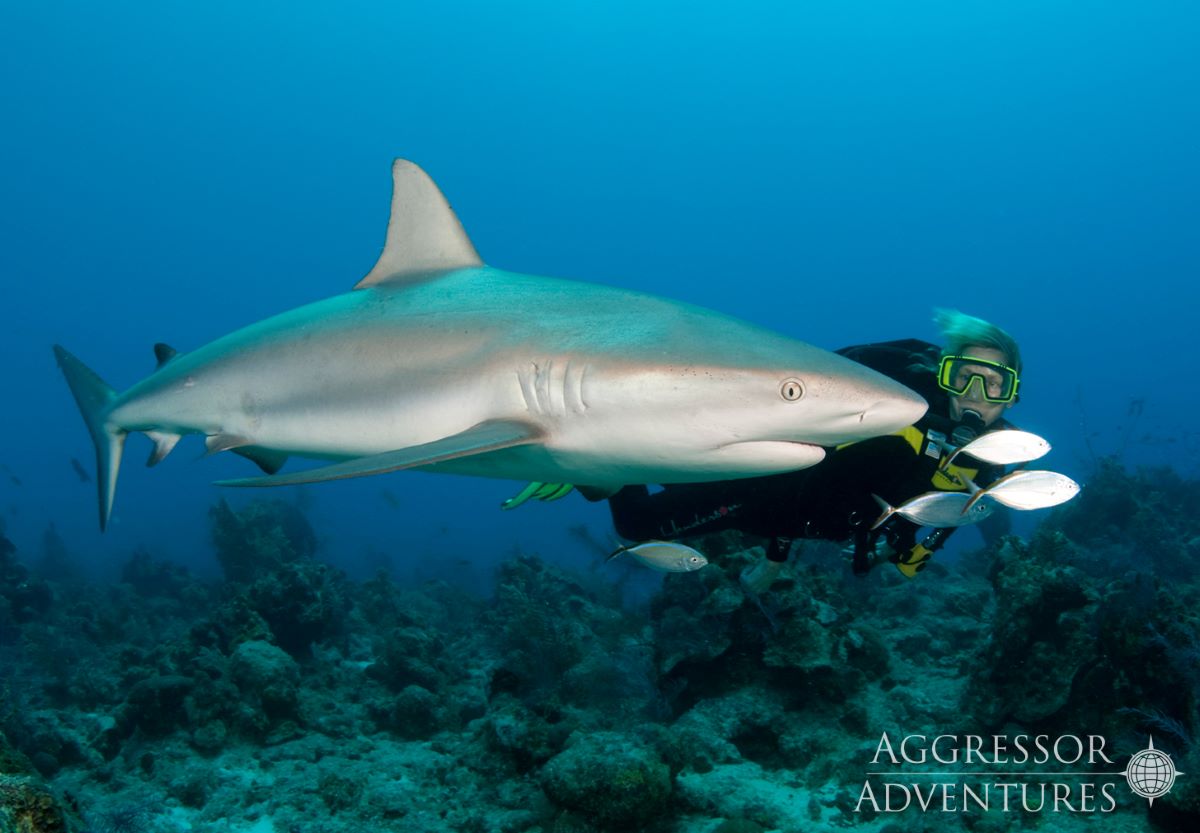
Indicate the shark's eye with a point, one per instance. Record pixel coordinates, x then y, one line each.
791 389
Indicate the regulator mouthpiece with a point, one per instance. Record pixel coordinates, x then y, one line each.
970 425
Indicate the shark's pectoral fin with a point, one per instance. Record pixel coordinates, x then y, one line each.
486 436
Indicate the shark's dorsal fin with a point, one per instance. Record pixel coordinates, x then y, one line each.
163 353
423 235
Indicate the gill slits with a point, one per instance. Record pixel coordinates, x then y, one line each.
553 388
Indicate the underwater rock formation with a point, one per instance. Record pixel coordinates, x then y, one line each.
12 760
27 806
267 552
1045 618
260 538
23 596
1144 520
267 677
611 778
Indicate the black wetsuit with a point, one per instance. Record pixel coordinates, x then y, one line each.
831 500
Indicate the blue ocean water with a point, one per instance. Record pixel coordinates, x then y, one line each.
833 170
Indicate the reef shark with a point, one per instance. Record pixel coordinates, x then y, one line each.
439 362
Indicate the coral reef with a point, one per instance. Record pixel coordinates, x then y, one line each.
26 806
287 697
1045 616
23 596
611 778
266 551
1096 625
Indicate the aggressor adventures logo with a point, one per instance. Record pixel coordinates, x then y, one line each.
1067 774
1151 773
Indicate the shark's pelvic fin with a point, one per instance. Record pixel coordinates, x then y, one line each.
486 436
595 493
95 398
423 235
216 443
163 443
266 459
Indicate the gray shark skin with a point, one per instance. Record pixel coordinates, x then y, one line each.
439 362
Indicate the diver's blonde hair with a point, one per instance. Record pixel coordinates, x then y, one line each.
960 331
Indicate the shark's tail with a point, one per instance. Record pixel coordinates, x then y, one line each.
95 399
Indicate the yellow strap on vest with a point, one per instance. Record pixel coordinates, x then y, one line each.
914 436
950 478
953 478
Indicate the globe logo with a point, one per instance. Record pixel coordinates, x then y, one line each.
1151 773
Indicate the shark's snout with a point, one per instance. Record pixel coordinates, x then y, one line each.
893 412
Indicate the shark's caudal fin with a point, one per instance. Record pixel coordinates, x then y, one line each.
95 398
424 235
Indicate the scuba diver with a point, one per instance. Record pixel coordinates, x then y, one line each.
969 384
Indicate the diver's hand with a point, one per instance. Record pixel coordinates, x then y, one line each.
537 490
882 553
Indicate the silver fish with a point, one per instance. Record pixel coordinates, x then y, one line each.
936 509
1005 447
664 556
1028 489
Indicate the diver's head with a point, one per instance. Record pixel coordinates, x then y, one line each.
980 368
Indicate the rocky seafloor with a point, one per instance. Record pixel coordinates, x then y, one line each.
287 697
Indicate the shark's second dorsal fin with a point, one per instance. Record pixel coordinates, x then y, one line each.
424 235
163 353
